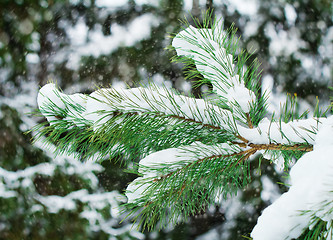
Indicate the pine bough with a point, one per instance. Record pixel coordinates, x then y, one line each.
194 150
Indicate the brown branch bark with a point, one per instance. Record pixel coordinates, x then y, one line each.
249 122
276 146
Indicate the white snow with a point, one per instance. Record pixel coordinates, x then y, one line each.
79 33
251 29
56 203
188 4
160 159
121 3
94 43
205 47
311 190
111 4
50 94
53 104
290 14
95 201
97 107
13 179
240 95
301 131
136 189
244 7
283 43
174 158
5 193
270 192
275 157
32 58
267 84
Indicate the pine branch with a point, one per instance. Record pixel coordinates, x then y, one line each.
278 132
188 179
213 51
193 149
320 230
245 154
107 128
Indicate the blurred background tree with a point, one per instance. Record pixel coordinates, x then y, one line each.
82 44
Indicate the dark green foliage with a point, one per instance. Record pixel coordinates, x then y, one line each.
320 230
16 151
187 191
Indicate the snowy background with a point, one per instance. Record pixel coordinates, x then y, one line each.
85 44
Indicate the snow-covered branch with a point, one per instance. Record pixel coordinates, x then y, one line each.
211 52
103 104
193 150
310 193
278 132
175 161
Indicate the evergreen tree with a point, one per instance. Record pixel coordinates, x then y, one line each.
39 39
34 37
46 197
195 151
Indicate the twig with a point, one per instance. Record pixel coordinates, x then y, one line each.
276 146
248 119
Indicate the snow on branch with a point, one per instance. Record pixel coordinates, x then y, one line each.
277 132
174 181
109 115
103 104
12 180
213 53
159 101
163 164
55 105
309 196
